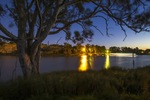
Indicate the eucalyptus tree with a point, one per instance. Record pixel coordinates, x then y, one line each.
36 19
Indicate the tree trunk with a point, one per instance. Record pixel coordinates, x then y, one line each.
29 61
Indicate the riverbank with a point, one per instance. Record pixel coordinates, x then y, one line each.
112 84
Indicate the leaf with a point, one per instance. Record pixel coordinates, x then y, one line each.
2 11
88 22
80 7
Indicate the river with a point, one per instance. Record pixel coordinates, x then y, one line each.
10 67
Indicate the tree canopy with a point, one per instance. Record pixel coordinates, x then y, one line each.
47 17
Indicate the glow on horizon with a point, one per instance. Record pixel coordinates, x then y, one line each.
140 40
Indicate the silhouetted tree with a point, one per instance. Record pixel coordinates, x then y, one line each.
127 50
88 48
67 49
115 49
138 51
36 19
147 51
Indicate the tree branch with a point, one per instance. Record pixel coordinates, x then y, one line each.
120 21
70 3
39 12
58 40
74 21
6 38
29 6
46 30
7 33
80 23
98 29
124 32
32 23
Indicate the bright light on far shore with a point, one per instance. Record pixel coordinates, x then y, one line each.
107 51
83 49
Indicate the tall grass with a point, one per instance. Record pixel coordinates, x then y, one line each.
112 84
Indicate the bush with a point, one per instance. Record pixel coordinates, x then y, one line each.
112 84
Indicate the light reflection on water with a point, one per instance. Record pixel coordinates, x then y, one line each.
91 61
83 63
123 54
86 62
107 62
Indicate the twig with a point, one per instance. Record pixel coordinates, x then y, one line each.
58 40
98 29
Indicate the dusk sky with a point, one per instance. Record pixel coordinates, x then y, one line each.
133 40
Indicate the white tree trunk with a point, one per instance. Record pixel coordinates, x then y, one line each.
29 61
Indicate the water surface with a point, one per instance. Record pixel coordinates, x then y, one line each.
10 67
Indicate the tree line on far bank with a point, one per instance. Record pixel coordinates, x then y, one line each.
135 50
67 49
70 50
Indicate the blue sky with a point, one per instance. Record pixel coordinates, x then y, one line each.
141 40
133 39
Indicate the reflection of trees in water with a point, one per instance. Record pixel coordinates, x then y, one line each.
90 61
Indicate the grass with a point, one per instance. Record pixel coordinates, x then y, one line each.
112 84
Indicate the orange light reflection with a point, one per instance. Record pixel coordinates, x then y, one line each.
83 63
107 62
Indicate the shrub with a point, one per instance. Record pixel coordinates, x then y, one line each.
112 84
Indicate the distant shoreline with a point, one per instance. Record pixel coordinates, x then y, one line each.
57 55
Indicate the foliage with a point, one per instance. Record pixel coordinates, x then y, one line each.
69 50
112 84
136 50
44 17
